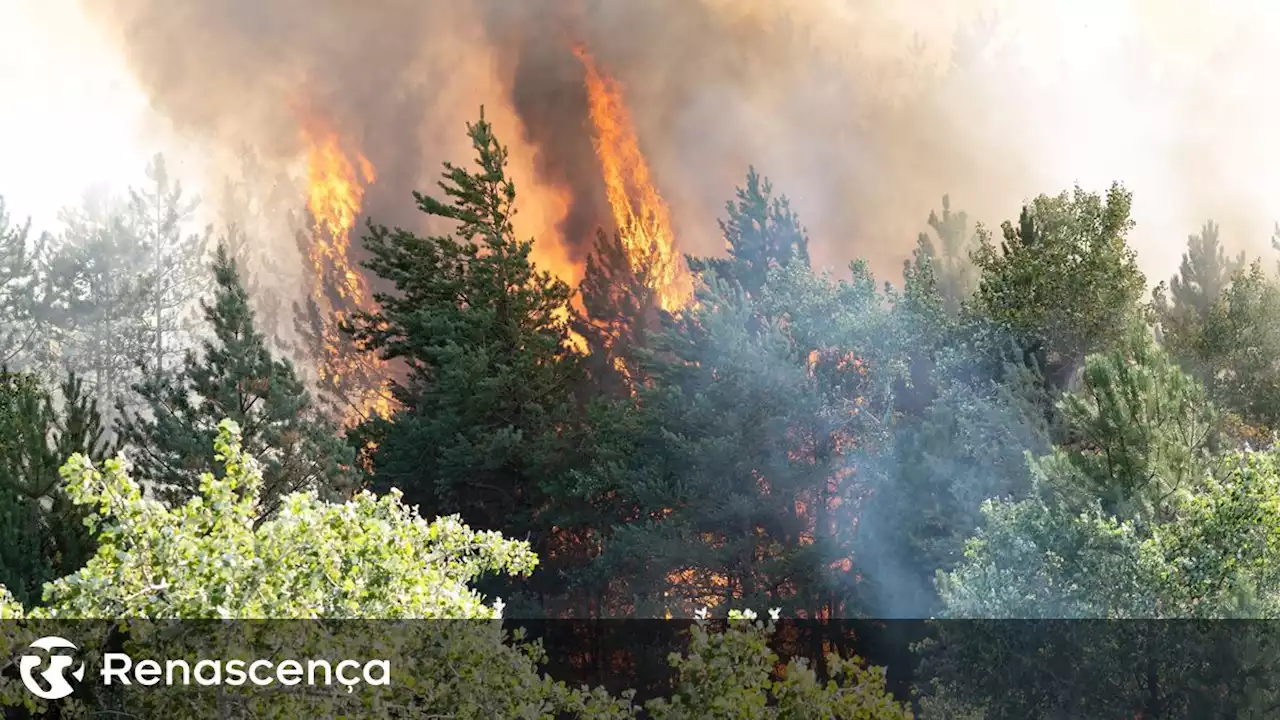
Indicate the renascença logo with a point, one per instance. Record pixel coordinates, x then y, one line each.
55 675
120 668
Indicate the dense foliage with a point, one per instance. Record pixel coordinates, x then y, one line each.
1016 430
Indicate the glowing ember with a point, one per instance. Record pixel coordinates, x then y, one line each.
641 216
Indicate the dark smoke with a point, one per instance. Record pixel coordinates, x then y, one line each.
711 92
548 95
865 112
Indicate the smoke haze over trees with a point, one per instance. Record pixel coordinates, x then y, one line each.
993 408
715 85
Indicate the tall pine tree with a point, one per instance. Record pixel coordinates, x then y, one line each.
954 272
1184 309
179 263
761 232
19 286
487 399
621 312
731 473
1205 273
244 206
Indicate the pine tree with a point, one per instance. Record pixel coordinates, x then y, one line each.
1139 431
19 284
487 399
236 377
97 289
243 207
954 272
621 312
761 232
1205 273
730 473
1183 311
178 262
42 536
749 450
1235 352
348 376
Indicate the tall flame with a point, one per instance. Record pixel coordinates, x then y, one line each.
335 192
639 212
334 197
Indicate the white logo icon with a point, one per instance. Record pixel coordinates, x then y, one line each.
54 676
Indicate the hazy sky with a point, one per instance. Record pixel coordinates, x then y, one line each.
70 115
1194 134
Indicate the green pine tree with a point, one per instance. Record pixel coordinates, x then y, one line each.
761 232
621 312
1138 431
1205 273
235 376
1235 350
731 473
42 536
954 272
98 282
487 397
19 285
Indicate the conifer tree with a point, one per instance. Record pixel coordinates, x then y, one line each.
1138 431
19 285
1235 353
487 397
234 376
1184 308
955 274
267 301
178 262
348 379
1205 273
244 204
750 448
41 533
97 287
621 312
761 232
731 471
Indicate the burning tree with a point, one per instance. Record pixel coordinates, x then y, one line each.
640 215
635 275
353 380
621 309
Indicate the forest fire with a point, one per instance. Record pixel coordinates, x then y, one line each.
338 177
641 216
335 192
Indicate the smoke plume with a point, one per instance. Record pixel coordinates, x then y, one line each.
865 112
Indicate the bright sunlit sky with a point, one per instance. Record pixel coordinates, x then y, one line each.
71 117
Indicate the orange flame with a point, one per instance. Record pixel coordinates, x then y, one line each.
642 217
335 193
334 197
